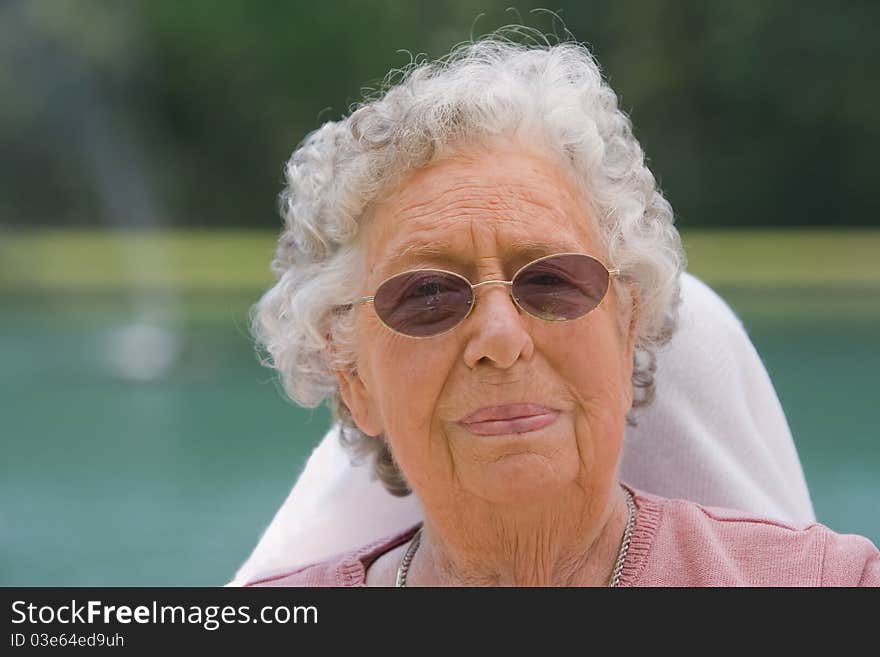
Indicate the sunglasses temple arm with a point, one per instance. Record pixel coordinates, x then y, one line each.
345 307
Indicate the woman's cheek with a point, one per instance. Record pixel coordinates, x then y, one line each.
412 382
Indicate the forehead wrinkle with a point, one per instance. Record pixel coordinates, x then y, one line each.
462 193
493 213
472 197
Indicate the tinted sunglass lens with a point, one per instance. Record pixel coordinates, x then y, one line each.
561 287
423 303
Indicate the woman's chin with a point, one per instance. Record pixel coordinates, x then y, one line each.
522 478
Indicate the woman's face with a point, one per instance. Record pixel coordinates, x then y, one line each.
484 215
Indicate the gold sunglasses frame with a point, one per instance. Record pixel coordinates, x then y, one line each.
612 273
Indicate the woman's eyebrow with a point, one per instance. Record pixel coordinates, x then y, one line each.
421 251
533 249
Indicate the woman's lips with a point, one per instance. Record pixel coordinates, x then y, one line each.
508 419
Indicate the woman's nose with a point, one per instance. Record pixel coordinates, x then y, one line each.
497 330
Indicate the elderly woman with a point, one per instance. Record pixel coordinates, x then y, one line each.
477 268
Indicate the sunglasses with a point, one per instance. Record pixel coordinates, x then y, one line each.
424 303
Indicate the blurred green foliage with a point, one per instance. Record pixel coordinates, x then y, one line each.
161 112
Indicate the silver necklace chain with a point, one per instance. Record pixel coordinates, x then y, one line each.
403 569
627 539
407 558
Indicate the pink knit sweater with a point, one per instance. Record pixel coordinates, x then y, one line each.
678 543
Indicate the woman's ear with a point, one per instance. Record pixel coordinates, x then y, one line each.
353 390
357 397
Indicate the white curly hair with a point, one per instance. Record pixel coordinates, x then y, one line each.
491 88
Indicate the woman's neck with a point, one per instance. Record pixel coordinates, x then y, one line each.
531 547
